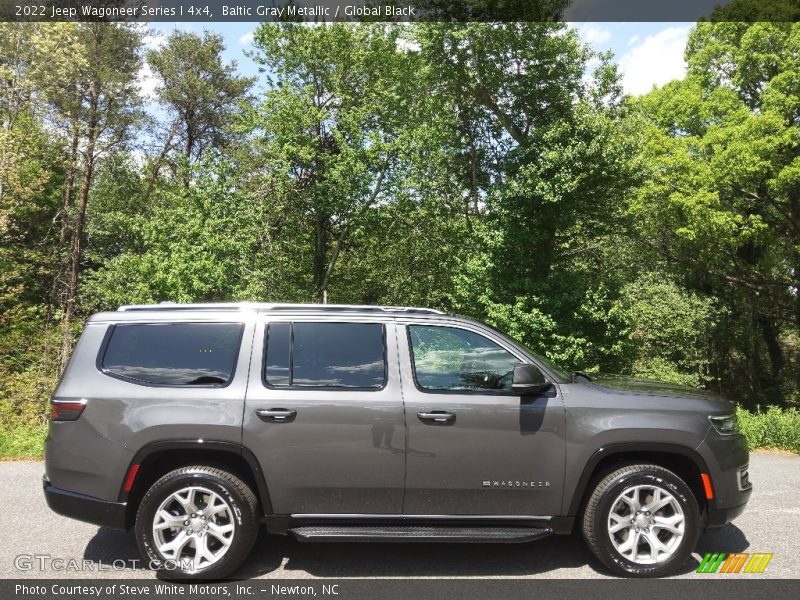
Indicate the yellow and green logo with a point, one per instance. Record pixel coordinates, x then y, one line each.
720 562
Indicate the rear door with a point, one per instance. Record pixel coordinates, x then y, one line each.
474 446
324 415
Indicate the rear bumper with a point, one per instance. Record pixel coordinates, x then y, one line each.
85 508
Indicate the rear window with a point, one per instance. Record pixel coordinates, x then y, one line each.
327 355
185 354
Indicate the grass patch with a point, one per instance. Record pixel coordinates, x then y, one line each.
772 428
22 442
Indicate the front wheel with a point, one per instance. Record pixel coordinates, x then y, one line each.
197 522
642 521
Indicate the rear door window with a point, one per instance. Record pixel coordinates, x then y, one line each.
325 355
173 354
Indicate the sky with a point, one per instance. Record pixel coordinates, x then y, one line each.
648 54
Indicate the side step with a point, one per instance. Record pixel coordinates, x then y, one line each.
383 533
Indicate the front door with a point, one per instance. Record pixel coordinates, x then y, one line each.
474 446
324 416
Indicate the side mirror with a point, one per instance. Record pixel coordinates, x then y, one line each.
529 379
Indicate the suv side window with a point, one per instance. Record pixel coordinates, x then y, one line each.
453 359
325 355
173 354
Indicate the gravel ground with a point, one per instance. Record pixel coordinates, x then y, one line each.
771 523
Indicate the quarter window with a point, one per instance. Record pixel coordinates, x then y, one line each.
337 355
452 359
174 353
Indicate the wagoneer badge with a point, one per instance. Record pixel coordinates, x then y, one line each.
515 484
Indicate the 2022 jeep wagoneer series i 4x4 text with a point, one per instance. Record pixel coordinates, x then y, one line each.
194 424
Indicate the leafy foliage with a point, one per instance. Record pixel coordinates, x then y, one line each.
721 200
771 428
670 330
201 92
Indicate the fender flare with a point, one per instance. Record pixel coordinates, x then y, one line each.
215 445
625 448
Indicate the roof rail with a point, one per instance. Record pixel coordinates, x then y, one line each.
169 306
237 306
352 308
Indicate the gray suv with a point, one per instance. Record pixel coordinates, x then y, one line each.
194 424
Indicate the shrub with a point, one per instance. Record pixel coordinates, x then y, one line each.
774 428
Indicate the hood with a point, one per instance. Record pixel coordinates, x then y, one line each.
622 383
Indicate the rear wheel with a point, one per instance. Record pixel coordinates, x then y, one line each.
642 521
197 522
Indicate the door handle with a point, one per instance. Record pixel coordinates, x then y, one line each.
276 415
439 417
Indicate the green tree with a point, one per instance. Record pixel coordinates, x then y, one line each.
544 161
200 91
334 124
670 330
721 203
197 243
109 99
36 61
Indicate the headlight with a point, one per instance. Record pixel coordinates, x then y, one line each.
725 425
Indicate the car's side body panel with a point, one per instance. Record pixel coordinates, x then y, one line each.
91 455
343 452
596 420
603 422
503 454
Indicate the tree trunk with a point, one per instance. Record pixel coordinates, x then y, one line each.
190 141
69 187
320 251
12 109
58 291
327 270
5 138
771 381
78 226
151 181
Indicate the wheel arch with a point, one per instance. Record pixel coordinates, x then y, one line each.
685 462
157 458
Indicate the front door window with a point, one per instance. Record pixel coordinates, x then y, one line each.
453 359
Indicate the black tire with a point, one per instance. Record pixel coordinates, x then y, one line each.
229 488
598 507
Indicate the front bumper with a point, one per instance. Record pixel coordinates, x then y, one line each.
717 517
85 508
727 458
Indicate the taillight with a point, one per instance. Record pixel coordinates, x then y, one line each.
66 410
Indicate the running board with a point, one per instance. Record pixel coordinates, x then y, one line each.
383 533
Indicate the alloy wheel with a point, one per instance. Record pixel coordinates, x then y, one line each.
646 524
193 526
